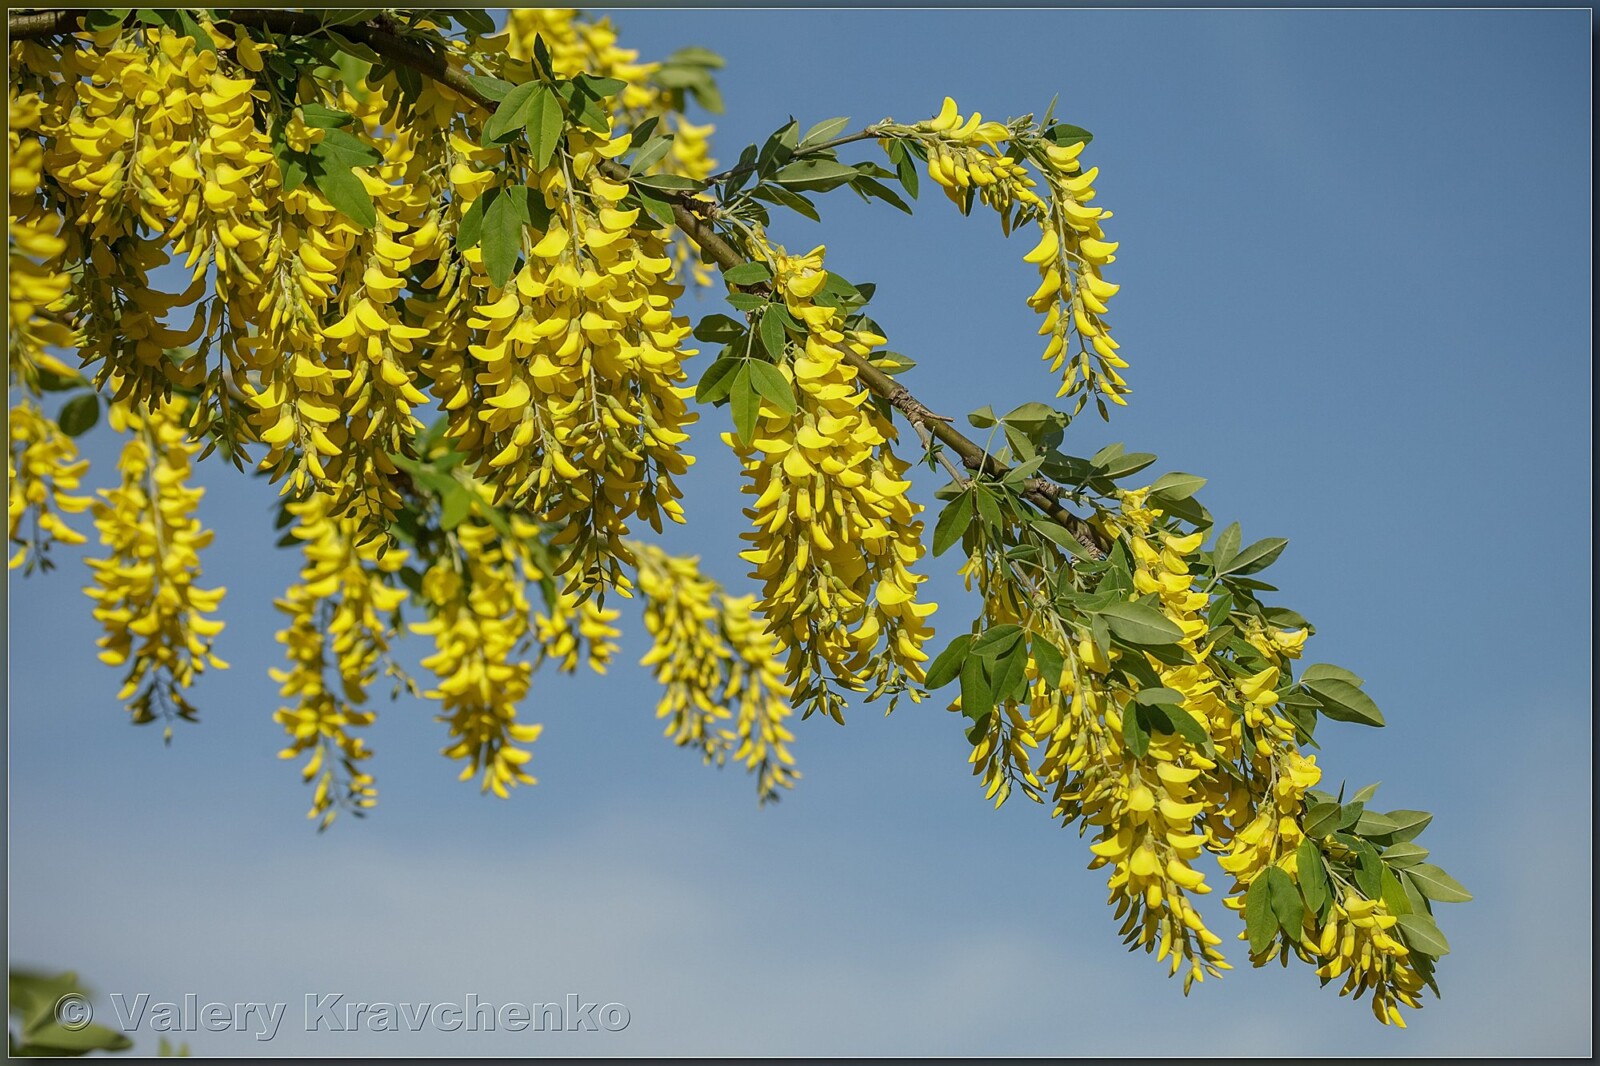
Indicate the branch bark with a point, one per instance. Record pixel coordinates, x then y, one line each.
379 35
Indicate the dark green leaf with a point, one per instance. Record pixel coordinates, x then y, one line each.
1067 135
717 381
340 150
502 239
1321 819
1135 731
79 414
1394 896
1313 876
946 666
719 329
977 699
344 191
1257 557
325 118
815 175
1344 702
997 640
953 523
470 230
545 125
1260 923
777 194
1287 907
746 405
906 169
772 386
773 335
1369 870
1049 661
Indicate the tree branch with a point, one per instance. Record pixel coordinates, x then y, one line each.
378 35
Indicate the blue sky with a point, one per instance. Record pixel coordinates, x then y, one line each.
1355 269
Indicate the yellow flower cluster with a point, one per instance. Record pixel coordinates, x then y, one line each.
835 531
339 622
575 631
156 619
578 46
965 157
579 410
43 468
477 603
35 282
709 650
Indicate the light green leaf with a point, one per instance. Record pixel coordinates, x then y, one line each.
953 523
825 130
1344 702
502 239
1177 486
1325 672
772 386
1422 934
1404 854
1437 885
345 192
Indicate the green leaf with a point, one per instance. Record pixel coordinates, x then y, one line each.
1011 673
650 154
1135 731
1122 465
1407 825
584 98
324 118
494 88
1151 697
1372 824
1369 870
751 273
1404 854
502 239
1287 907
774 337
977 699
869 187
815 175
470 230
997 640
982 418
340 150
826 130
719 329
770 383
1366 792
1257 557
1049 660
1137 623
1177 486
603 87
79 414
1313 876
1060 535
1344 702
344 191
777 194
717 381
1321 819
953 523
1227 546
906 169
1437 885
512 115
989 511
1186 726
1394 896
746 405
1066 135
1325 672
1422 934
1260 924
455 506
946 666
545 125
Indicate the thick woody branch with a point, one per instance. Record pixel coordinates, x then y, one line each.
380 34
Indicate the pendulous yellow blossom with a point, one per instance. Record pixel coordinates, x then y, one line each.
337 641
835 532
724 692
44 469
158 623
